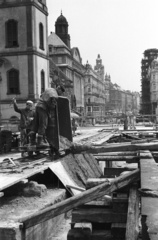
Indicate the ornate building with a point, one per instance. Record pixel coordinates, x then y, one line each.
149 56
94 93
69 61
23 52
153 79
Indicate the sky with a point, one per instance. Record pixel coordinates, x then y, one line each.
119 30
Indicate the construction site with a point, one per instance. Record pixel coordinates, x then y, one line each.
105 182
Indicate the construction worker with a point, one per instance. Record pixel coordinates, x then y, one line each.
45 116
60 90
26 120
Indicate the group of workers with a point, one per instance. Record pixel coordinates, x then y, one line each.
35 122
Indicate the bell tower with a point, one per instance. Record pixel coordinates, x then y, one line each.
61 29
24 63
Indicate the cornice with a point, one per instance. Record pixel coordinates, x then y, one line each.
20 53
25 4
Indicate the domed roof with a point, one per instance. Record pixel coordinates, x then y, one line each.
61 20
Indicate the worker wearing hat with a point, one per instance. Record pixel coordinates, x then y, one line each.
26 119
45 115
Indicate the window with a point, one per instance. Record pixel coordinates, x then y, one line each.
89 100
41 36
13 81
50 49
11 33
89 89
89 109
42 81
59 59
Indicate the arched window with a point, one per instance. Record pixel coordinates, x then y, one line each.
42 81
13 81
41 37
11 33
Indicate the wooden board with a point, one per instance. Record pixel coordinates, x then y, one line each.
132 226
101 215
52 133
58 169
64 118
149 203
7 180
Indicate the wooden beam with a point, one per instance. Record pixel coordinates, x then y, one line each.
93 182
82 198
113 147
101 215
123 153
114 172
132 226
128 159
77 188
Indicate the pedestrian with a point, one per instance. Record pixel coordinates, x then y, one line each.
45 117
125 123
26 120
73 122
60 90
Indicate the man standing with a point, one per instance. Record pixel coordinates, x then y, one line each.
45 119
60 90
26 120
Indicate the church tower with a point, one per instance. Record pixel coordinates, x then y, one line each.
24 64
61 29
99 68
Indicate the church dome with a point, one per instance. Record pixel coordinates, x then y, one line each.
61 20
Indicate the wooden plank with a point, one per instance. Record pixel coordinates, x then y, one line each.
149 172
79 233
113 172
93 182
77 188
128 159
78 148
101 235
149 197
132 228
7 180
82 198
128 153
118 231
120 205
100 215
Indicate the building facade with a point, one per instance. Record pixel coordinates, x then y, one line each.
24 64
153 80
149 56
94 89
69 61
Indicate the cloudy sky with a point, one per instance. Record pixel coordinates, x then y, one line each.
119 30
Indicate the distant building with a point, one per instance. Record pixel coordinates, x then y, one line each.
149 56
153 80
94 89
69 61
123 101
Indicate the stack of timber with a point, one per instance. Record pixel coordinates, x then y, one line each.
120 214
109 212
